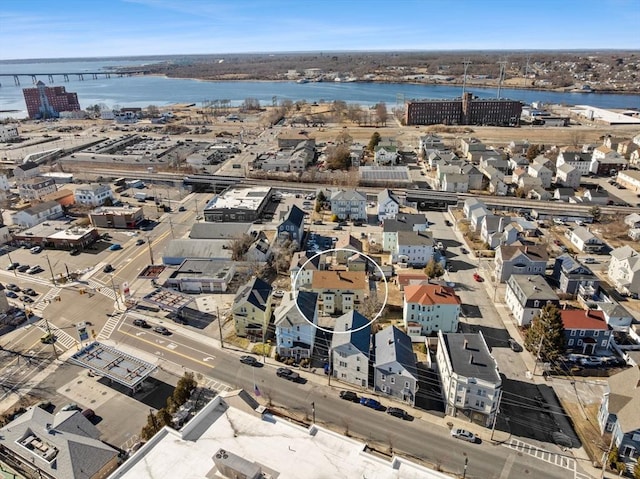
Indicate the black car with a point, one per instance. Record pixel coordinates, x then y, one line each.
26 299
448 223
13 266
514 345
13 287
401 413
10 294
349 396
30 292
23 267
140 322
108 268
139 242
250 360
74 252
162 330
288 374
182 208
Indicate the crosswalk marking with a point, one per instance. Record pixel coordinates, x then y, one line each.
46 299
110 325
559 460
105 291
62 338
217 386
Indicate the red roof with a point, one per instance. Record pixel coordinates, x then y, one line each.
583 319
429 294
405 278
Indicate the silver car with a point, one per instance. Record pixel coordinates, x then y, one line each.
463 434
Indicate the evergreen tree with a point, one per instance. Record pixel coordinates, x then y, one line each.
532 152
373 142
546 334
433 269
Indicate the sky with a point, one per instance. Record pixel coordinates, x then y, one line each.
99 28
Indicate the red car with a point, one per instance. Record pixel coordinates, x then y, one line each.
478 278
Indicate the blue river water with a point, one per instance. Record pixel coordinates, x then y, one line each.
141 91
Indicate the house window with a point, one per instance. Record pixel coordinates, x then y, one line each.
358 368
582 332
536 304
579 342
573 332
603 343
596 333
393 380
383 377
406 384
570 343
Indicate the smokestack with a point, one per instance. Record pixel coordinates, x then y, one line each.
471 359
466 343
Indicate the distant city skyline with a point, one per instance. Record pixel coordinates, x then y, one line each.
41 29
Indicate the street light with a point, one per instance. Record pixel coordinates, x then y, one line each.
115 292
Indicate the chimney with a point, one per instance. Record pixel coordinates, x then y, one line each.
466 343
526 250
471 359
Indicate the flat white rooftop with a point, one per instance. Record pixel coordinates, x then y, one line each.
265 441
601 114
243 198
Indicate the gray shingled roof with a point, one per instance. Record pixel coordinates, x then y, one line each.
403 222
361 339
392 345
295 216
288 315
347 195
483 366
415 238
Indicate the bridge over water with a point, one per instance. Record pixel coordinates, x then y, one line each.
65 76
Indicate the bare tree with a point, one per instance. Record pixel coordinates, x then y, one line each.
381 113
240 246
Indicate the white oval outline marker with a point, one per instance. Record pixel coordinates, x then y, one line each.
384 303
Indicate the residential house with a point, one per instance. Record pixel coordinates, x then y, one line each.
511 260
538 170
402 222
630 179
339 291
624 270
469 205
579 160
608 165
634 157
568 176
470 381
612 142
527 183
430 142
518 147
494 160
349 204
28 169
632 220
618 413
546 162
563 194
292 228
36 188
572 277
596 197
477 216
394 370
295 324
584 240
388 205
540 194
625 148
414 248
252 309
351 349
518 162
356 154
431 306
386 155
303 265
94 195
443 170
37 214
64 445
497 230
406 277
498 187
475 177
455 183
585 331
615 315
260 250
526 295
348 245
128 217
468 145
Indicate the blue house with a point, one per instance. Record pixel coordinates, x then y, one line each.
292 228
395 372
295 321
573 277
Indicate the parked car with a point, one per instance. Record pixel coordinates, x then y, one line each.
372 403
23 267
162 330
89 414
514 345
288 374
464 250
13 266
463 434
26 299
34 269
398 412
349 396
108 268
182 208
74 252
140 322
10 294
478 278
590 261
71 407
139 242
279 293
115 247
30 292
250 360
13 287
448 223
318 222
36 249
48 338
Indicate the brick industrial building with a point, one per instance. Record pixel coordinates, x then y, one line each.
47 102
463 111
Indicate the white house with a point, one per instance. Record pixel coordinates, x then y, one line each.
512 260
580 161
455 183
37 214
351 349
624 270
585 241
414 248
386 155
568 176
93 195
295 321
8 132
402 222
432 307
388 205
469 376
537 170
526 295
36 188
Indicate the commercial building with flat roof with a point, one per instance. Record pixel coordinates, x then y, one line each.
238 205
116 216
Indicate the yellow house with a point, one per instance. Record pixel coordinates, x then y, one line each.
252 309
339 291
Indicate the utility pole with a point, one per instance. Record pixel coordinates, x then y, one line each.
605 458
115 292
15 273
495 417
330 368
52 337
150 250
466 462
313 411
220 326
535 366
171 226
53 278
